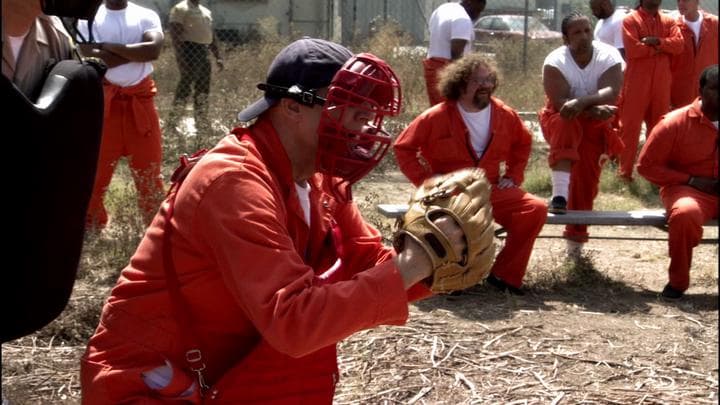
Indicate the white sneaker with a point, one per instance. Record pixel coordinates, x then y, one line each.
573 249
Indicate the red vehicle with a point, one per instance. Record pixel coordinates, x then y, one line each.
507 26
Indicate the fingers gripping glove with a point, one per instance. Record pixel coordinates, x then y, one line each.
464 195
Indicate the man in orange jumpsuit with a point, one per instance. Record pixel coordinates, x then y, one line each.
473 129
128 38
452 33
650 38
700 35
681 156
258 263
582 80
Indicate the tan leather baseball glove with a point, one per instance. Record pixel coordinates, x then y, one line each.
464 195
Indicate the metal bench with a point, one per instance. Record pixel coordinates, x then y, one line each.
655 218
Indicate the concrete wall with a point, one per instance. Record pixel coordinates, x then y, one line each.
293 16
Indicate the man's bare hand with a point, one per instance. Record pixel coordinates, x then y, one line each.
571 109
601 112
650 41
89 49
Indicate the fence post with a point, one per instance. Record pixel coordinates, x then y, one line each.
525 37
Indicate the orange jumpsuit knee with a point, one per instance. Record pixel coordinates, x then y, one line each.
432 68
688 65
687 209
645 94
131 129
523 216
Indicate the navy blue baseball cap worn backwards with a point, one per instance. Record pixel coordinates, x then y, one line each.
305 65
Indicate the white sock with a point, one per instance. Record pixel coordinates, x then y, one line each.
574 250
560 183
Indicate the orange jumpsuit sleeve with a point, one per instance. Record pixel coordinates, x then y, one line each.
520 150
673 43
365 253
708 51
655 156
365 240
242 219
407 149
634 49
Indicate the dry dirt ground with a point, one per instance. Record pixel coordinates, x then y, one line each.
592 332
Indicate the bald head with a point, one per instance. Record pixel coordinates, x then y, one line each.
709 92
602 9
473 8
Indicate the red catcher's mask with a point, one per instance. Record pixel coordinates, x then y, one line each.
361 94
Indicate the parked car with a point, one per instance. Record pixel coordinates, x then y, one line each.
507 26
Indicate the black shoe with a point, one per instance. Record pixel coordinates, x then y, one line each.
558 205
671 293
502 286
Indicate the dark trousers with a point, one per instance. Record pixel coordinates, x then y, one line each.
195 71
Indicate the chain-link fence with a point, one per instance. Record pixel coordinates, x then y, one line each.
251 32
207 105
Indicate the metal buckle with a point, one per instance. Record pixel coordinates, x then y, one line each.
303 96
195 356
308 97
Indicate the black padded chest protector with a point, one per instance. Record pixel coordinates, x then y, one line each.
50 155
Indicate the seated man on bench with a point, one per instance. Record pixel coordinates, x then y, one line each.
681 156
473 129
582 80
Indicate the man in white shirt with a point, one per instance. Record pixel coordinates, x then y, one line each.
452 33
129 38
582 80
608 29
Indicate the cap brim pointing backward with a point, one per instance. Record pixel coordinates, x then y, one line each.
258 107
310 63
